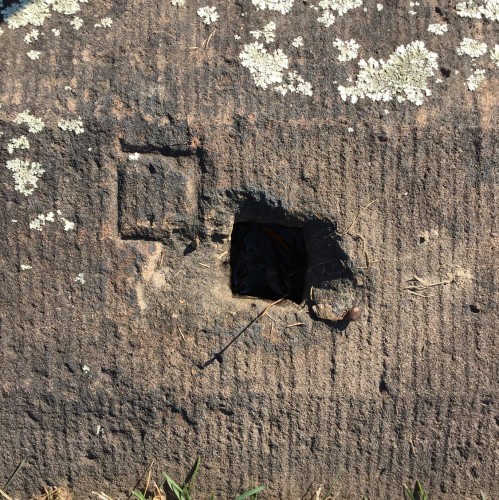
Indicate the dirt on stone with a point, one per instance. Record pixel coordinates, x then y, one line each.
102 335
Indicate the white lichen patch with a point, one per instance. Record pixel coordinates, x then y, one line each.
269 69
25 174
134 156
297 42
33 54
494 55
341 7
18 143
209 15
67 7
265 67
56 32
26 12
379 7
489 9
32 35
438 28
76 22
40 220
85 369
294 84
1 31
80 278
403 77
35 12
178 3
474 80
75 126
25 267
472 48
333 8
348 50
282 6
68 225
327 18
267 32
105 22
35 124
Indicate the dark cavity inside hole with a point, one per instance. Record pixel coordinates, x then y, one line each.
267 261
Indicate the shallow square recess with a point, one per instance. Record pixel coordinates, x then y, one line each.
267 261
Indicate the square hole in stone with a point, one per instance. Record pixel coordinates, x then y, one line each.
267 261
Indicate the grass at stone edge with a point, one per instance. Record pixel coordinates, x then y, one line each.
182 492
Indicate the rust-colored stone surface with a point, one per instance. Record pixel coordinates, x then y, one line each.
407 392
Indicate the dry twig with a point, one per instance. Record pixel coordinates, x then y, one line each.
356 218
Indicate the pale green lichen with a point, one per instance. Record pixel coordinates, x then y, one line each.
18 143
35 12
265 67
341 7
40 220
327 18
26 12
348 49
403 77
32 35
80 278
105 22
76 22
75 126
437 28
282 6
267 32
489 9
67 7
35 124
297 42
474 80
268 69
25 174
294 84
333 8
68 225
33 54
472 48
209 15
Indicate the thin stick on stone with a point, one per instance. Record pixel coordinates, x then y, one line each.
219 354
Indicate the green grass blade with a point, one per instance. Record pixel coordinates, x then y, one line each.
250 493
408 493
138 495
191 476
174 487
421 492
418 492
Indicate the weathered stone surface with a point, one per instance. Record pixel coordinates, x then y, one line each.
407 392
